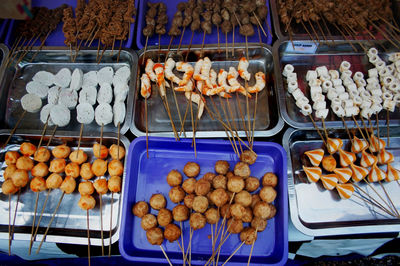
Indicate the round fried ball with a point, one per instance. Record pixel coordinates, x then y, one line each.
114 152
191 169
61 151
174 178
248 235
72 169
140 209
243 198
264 210
268 194
86 202
208 177
237 211
158 201
40 169
78 157
235 226
98 152
20 178
220 182
259 223
115 167
114 184
24 163
229 175
252 184
270 179
176 194
8 187
202 187
99 167
27 149
212 216
180 213
329 163
42 155
86 171
101 186
188 200
172 232
219 197
188 185
222 167
200 204
254 199
247 215
235 184
10 169
242 169
164 217
148 221
86 188
225 211
11 157
57 166
197 221
38 184
248 157
68 185
155 236
54 181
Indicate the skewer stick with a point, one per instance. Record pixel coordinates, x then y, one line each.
101 138
43 132
40 218
202 44
88 235
51 137
368 201
159 47
347 130
9 224
183 121
327 28
88 40
233 253
324 127
219 50
183 244
322 32
111 214
165 254
376 192
309 34
119 50
358 127
241 114
176 103
251 251
180 41
14 129
40 47
314 31
226 45
387 128
13 48
344 35
15 216
169 48
365 128
254 120
98 50
79 141
112 48
319 133
33 222
166 105
147 127
259 23
101 224
118 138
94 37
102 53
390 200
191 115
233 41
233 122
190 45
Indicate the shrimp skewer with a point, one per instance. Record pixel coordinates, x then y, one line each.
188 69
169 66
235 85
145 91
242 69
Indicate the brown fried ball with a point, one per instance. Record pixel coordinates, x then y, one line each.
229 175
242 169
222 167
191 169
8 187
86 188
235 226
140 209
101 186
259 223
72 169
20 178
225 211
248 157
247 215
61 151
54 181
114 184
235 184
57 166
78 157
42 155
220 182
172 232
114 152
174 178
155 236
158 201
27 149
38 184
11 157
264 210
254 199
200 204
148 221
115 167
202 187
268 194
270 179
176 194
197 221
209 177
212 216
100 153
188 185
40 169
248 235
237 211
243 198
86 171
68 185
219 197
164 217
10 169
86 202
180 213
252 184
329 163
99 167
24 163
188 200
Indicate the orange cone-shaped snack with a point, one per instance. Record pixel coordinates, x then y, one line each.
392 174
377 144
334 144
385 157
359 172
344 174
315 156
376 174
346 158
359 145
313 173
329 181
345 190
367 159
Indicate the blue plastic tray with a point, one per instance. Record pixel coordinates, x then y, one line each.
148 176
56 38
198 36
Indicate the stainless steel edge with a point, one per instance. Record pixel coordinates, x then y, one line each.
275 19
4 50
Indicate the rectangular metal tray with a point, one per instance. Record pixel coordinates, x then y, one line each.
69 226
52 59
319 212
146 176
3 57
268 121
325 55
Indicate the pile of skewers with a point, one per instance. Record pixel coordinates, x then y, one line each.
224 193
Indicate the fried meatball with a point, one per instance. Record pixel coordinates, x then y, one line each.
202 187
54 181
86 202
72 169
86 188
197 221
229 175
20 178
248 235
101 186
61 151
248 157
242 169
40 169
270 179
254 199
188 200
158 201
57 166
264 210
80 158
155 236
42 155
268 194
247 215
176 194
27 149
200 204
172 232
10 169
115 167
243 198
259 223
11 157
180 213
252 184
188 185
235 184
100 153
148 221
212 216
24 163
219 182
38 184
114 152
191 169
222 167
237 211
164 217
8 187
329 163
86 171
234 226
208 177
219 197
225 211
99 167
174 178
68 185
114 184
140 209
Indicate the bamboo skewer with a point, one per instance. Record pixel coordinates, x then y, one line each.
33 222
319 133
176 103
119 50
219 50
387 128
183 244
191 115
147 127
88 235
101 139
180 40
102 53
9 224
254 120
165 254
241 115
51 137
169 48
233 253
259 23
40 47
79 141
40 219
233 41
12 50
190 45
14 129
42 135
314 31
202 44
309 34
101 223
111 215
251 250
226 45
11 236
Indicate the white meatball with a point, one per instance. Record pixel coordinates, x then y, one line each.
45 112
63 78
76 79
123 75
103 114
44 77
119 111
53 94
31 103
105 75
88 95
68 98
90 79
120 92
60 115
85 113
37 88
105 93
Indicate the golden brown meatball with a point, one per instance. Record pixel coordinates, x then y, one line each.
114 152
148 221
174 178
248 235
180 213
202 187
248 157
68 185
24 163
20 178
86 188
247 215
200 204
235 184
72 169
101 186
155 236
54 181
191 169
172 232
188 185
86 171
237 211
264 210
86 202
234 226
164 217
225 211
270 179
40 169
8 187
222 167
229 175
115 167
212 216
220 182
259 223
140 209
188 200
176 194
158 201
78 157
252 184
197 221
27 149
42 155
100 153
329 163
242 169
61 151
114 184
209 177
268 194
10 169
243 198
38 184
99 167
254 199
11 157
57 166
219 197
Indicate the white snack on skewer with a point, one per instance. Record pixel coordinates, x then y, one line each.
31 103
84 113
338 110
311 74
336 82
53 94
37 88
287 70
88 95
331 94
291 77
302 101
322 71
297 94
60 115
315 82
63 78
317 97
336 101
68 98
326 85
44 77
90 79
340 89
321 113
324 78
306 110
122 75
105 93
358 75
105 75
334 74
103 114
372 72
119 111
344 96
319 105
76 79
372 52
292 86
344 66
389 105
45 114
121 91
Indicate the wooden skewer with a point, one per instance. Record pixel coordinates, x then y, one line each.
147 127
219 50
119 50
233 41
191 115
202 44
387 22
101 139
14 129
233 253
40 219
259 23
180 41
118 138
94 37
98 50
314 31
309 34
368 201
88 235
40 47
165 254
254 120
13 56
79 141
102 53
159 47
233 122
90 37
327 28
111 214
169 48
176 103
101 224
344 36
13 48
183 121
347 130
11 236
322 32
324 127
319 133
183 244
33 222
190 45
51 137
241 114
387 128
43 132
9 224
226 45
251 250
112 48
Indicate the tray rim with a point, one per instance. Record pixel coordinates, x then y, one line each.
5 51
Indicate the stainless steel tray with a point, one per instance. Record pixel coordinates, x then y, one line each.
53 59
316 211
268 121
69 226
330 56
3 57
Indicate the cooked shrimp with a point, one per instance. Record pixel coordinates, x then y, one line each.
168 67
145 86
188 87
242 69
222 76
197 69
188 69
215 89
205 72
159 70
260 83
149 70
197 100
232 80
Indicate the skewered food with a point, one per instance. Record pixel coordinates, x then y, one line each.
158 201
86 202
164 217
99 167
42 155
10 169
140 209
172 232
191 169
11 157
40 170
24 163
174 178
27 149
101 186
114 184
180 213
86 171
8 187
176 194
61 151
86 188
